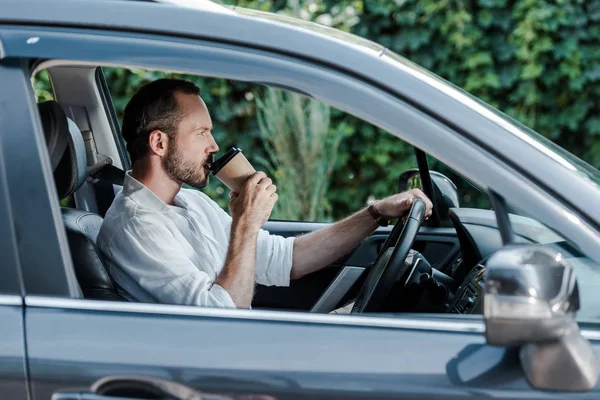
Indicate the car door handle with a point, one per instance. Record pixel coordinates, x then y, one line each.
85 396
131 387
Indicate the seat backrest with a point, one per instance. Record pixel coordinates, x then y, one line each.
68 158
90 266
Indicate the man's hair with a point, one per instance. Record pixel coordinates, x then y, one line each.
153 107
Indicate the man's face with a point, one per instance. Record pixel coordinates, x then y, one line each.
193 146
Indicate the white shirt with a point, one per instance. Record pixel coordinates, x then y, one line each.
172 254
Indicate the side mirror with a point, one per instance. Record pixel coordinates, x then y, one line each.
445 191
530 299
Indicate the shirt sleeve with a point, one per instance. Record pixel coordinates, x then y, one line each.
152 257
274 254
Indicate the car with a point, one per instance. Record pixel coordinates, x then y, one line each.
495 303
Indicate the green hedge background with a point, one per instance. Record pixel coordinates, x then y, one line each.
536 60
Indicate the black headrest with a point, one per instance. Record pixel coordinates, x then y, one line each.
65 147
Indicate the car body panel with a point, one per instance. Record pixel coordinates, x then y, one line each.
13 383
13 369
35 214
72 342
241 351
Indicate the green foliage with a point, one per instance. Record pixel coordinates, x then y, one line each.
536 60
302 151
42 87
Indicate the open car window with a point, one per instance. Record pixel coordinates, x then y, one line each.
308 148
321 175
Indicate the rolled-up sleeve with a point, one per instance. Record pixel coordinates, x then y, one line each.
151 258
274 255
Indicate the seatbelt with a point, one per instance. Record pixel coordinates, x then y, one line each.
103 180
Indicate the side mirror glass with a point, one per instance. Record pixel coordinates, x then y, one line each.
530 299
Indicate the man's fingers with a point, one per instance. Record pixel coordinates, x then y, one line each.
418 194
271 189
255 178
428 204
265 182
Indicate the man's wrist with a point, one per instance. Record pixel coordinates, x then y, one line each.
376 215
241 225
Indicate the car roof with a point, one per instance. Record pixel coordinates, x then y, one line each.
205 5
204 19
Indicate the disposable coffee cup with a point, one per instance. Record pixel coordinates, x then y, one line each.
233 169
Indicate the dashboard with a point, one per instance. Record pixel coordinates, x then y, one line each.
469 295
479 237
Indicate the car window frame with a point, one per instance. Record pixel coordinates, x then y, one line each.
385 113
10 274
13 246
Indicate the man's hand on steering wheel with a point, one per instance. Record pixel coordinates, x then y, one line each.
399 204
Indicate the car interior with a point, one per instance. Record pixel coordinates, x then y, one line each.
422 267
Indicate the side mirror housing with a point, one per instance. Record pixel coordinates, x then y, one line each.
445 191
530 300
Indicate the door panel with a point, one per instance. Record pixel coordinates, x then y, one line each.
440 246
13 383
12 351
302 293
283 355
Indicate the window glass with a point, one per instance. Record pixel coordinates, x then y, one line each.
469 195
453 189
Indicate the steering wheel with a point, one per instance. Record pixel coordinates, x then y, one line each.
390 265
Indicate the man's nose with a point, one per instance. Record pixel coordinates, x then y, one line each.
213 147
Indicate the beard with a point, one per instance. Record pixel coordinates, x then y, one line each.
190 172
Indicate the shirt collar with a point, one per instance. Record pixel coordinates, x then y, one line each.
145 197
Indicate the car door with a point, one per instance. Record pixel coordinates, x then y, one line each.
78 346
13 380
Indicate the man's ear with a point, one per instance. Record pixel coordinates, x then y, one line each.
158 142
